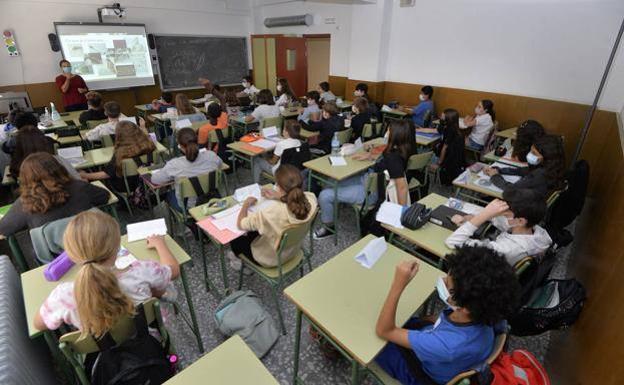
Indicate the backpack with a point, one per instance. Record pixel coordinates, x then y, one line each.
368 221
139 197
518 368
555 305
139 360
205 196
222 148
297 156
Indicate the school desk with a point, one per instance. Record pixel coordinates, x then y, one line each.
509 133
36 288
72 118
56 124
102 156
393 114
427 140
345 105
67 140
143 110
238 124
342 300
232 362
491 157
466 187
322 171
246 152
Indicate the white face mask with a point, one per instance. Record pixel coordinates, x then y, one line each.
421 97
532 159
245 84
443 293
279 87
357 93
311 102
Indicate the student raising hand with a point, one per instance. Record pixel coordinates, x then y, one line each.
405 272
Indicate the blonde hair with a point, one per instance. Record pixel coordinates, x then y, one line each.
91 239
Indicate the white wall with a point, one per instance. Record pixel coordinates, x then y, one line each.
31 22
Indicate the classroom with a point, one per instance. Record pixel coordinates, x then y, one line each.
376 192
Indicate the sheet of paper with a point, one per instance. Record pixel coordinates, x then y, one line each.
132 119
142 230
264 143
183 123
76 161
70 152
371 253
337 161
508 178
390 214
227 223
253 190
226 212
270 131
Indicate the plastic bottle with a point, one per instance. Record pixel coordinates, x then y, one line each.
46 116
335 145
54 112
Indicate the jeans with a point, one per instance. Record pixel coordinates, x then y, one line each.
475 145
260 164
350 191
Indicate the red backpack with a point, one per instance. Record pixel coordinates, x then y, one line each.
518 368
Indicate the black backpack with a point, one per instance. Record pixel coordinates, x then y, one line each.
140 360
368 220
205 196
555 305
297 156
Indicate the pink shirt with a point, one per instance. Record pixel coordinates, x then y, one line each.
137 282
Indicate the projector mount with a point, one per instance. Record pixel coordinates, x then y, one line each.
113 10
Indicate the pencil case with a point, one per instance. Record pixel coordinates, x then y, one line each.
58 267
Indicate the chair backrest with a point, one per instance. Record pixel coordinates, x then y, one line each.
108 140
297 156
499 345
292 237
214 138
270 122
522 265
211 181
419 161
91 124
131 168
427 118
122 330
344 136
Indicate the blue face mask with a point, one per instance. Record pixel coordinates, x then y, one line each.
67 70
443 292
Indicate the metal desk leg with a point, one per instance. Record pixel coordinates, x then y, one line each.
189 301
335 213
297 346
355 372
226 283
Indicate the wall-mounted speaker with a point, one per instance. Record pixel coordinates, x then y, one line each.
287 21
151 42
55 45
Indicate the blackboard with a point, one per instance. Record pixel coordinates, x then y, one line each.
183 59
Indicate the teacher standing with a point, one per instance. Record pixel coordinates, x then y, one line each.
73 88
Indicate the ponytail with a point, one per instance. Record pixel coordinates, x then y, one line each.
188 139
488 106
289 179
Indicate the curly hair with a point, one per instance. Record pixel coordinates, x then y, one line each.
551 148
43 183
484 283
130 141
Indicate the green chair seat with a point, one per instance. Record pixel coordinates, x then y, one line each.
414 183
273 272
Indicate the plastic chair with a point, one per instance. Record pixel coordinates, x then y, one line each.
107 140
130 168
74 347
91 124
362 209
419 162
523 265
292 238
344 136
371 130
271 122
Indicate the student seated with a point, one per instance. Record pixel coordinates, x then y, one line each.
424 107
112 110
130 141
292 139
526 136
482 124
217 120
361 91
186 110
19 120
436 349
29 140
266 107
264 227
325 94
48 193
166 101
248 88
311 113
361 116
214 90
193 163
401 145
331 122
516 217
545 172
101 294
95 111
285 95
450 155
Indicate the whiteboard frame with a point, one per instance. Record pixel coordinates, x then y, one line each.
182 35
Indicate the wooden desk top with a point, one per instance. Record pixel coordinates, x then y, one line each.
508 133
468 181
344 298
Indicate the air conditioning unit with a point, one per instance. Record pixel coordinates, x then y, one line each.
287 21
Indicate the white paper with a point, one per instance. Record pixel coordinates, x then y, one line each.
183 123
70 152
390 214
253 190
264 143
124 258
337 161
142 230
386 108
226 212
371 253
270 131
132 119
229 222
508 178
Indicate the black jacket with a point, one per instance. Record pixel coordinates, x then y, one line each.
533 178
357 124
326 129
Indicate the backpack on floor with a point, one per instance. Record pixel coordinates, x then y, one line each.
518 368
139 360
555 305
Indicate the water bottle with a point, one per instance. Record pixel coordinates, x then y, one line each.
55 114
335 145
46 116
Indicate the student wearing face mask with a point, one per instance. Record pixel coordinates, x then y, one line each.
423 108
545 172
482 124
73 88
361 116
516 217
436 349
284 93
331 122
248 88
361 91
311 113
